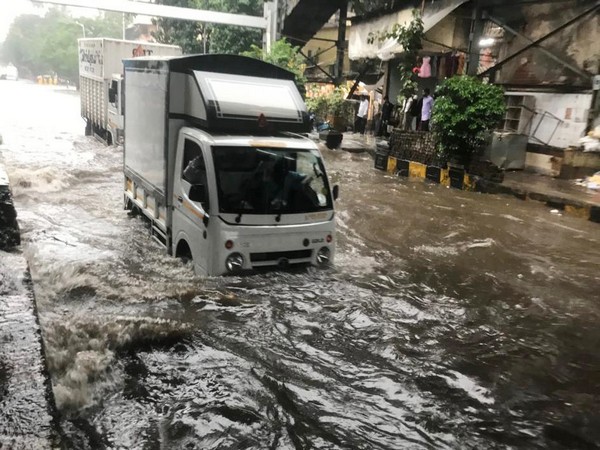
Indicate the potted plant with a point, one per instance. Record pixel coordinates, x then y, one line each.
332 107
464 112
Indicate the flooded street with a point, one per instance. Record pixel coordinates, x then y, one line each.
451 319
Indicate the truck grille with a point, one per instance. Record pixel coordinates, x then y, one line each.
276 256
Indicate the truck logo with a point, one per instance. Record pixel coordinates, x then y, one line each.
139 51
90 57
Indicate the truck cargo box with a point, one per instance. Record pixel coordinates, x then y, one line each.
224 93
99 60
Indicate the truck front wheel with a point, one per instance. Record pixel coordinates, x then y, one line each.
88 128
183 251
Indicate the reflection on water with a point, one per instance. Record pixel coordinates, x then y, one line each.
451 319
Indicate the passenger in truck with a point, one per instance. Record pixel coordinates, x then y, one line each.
195 172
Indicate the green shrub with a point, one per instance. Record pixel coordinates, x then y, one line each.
464 110
332 105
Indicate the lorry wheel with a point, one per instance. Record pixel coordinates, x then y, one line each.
88 128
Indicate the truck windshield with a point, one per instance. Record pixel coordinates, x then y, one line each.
253 180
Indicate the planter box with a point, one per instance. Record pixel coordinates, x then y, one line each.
418 146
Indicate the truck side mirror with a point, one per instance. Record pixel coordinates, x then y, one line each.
112 95
197 193
336 192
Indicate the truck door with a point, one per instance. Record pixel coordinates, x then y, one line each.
191 201
115 110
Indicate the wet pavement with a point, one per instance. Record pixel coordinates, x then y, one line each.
26 402
452 319
556 193
564 190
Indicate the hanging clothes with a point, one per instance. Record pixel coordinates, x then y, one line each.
434 63
453 65
460 70
442 67
425 68
485 60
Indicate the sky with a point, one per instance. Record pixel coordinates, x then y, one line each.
9 9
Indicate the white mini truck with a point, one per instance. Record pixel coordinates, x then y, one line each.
213 159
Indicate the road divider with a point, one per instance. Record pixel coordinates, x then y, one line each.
459 179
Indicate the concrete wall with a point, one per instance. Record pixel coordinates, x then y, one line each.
576 44
327 58
568 121
9 227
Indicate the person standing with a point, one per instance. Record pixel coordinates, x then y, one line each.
386 114
426 110
415 112
361 116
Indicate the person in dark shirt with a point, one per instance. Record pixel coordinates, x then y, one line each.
386 113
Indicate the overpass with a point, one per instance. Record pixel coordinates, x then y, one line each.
267 23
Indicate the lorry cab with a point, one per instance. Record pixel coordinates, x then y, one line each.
214 160
258 201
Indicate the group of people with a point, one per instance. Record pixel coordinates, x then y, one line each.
416 112
413 114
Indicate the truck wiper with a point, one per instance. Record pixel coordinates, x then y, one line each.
238 218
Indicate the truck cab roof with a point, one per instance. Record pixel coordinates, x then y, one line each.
279 140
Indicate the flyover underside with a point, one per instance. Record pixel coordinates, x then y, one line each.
307 18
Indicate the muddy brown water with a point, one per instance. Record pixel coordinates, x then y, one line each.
450 319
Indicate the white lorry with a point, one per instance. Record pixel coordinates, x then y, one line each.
211 158
100 77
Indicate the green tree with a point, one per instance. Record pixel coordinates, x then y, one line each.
464 110
48 45
410 37
284 55
198 37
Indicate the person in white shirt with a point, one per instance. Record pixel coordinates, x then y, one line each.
361 116
426 110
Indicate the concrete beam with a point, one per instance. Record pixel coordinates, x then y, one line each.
171 12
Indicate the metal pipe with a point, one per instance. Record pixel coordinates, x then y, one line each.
341 43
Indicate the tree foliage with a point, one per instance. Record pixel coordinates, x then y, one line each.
48 45
410 37
197 37
284 55
465 109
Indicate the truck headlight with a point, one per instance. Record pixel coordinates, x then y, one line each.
234 262
323 256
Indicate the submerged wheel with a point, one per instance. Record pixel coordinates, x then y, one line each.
183 252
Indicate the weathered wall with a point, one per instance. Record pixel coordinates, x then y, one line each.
577 44
565 122
327 58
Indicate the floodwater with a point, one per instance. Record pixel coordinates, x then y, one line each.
451 319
